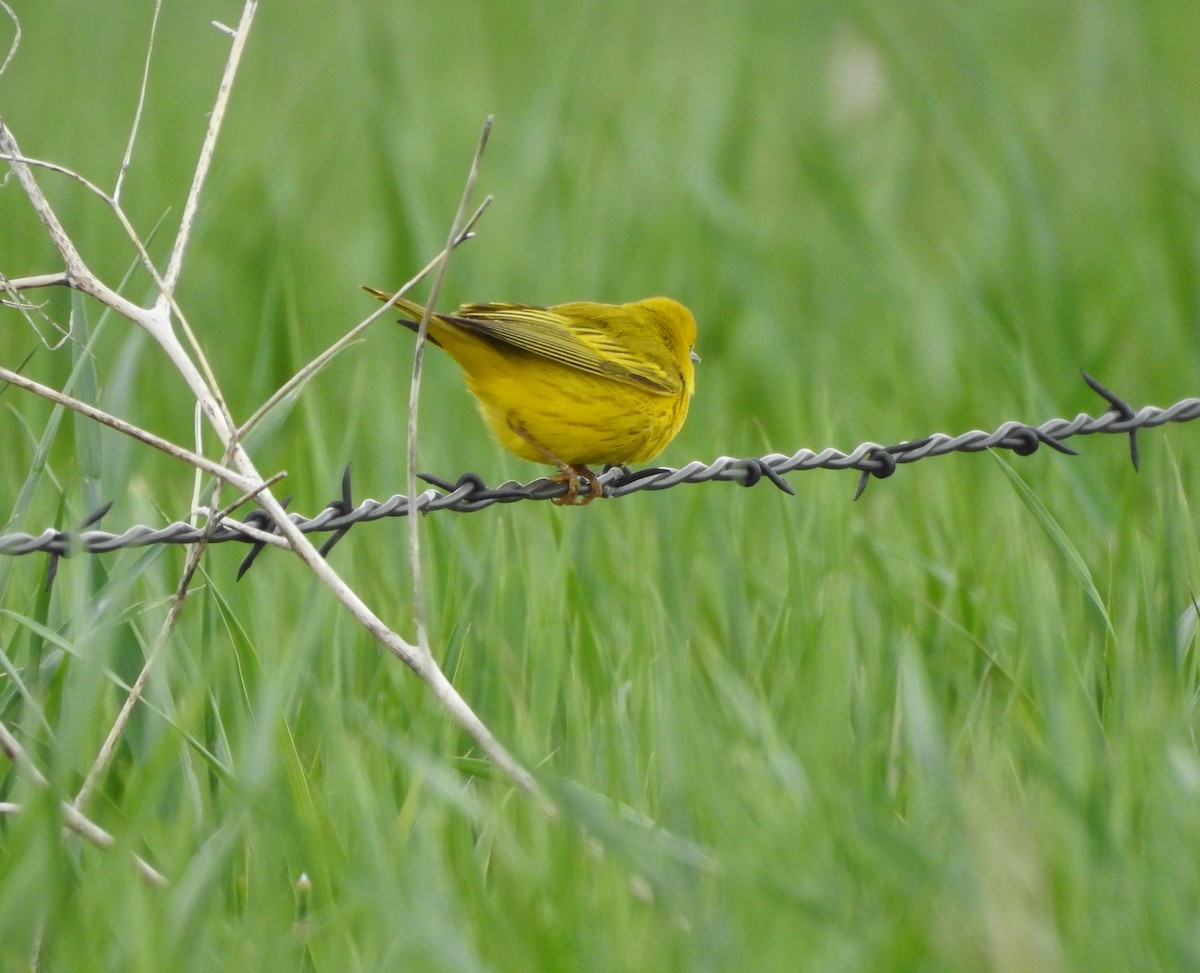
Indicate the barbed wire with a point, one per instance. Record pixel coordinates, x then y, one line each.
470 493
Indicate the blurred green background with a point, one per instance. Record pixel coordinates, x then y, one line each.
951 726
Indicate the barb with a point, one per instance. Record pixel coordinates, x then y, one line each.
1120 407
93 518
470 493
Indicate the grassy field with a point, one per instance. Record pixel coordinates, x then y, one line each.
951 726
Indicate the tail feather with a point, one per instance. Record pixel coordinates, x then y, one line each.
413 311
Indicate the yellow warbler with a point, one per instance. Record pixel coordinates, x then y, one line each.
573 385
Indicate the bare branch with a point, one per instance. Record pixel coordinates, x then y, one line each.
137 115
156 320
14 284
414 389
16 41
238 480
10 151
77 273
198 442
249 530
28 309
175 263
314 366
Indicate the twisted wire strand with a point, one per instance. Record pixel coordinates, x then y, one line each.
470 493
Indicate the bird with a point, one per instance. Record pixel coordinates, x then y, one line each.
572 385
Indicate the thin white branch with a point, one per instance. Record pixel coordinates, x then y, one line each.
198 442
422 663
109 747
110 201
16 41
10 151
175 263
137 115
30 309
235 479
414 389
250 531
219 518
14 284
314 366
154 320
77 273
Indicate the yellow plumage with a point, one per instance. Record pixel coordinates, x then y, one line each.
573 385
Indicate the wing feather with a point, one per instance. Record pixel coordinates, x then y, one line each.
568 339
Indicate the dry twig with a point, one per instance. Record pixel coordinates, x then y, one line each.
160 321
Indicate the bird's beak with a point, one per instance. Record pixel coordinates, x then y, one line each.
695 358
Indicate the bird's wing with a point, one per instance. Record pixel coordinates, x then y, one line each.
569 340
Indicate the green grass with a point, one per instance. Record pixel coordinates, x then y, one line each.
950 726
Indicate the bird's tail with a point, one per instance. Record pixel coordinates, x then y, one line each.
411 309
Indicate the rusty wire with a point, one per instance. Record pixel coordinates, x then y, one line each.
470 493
